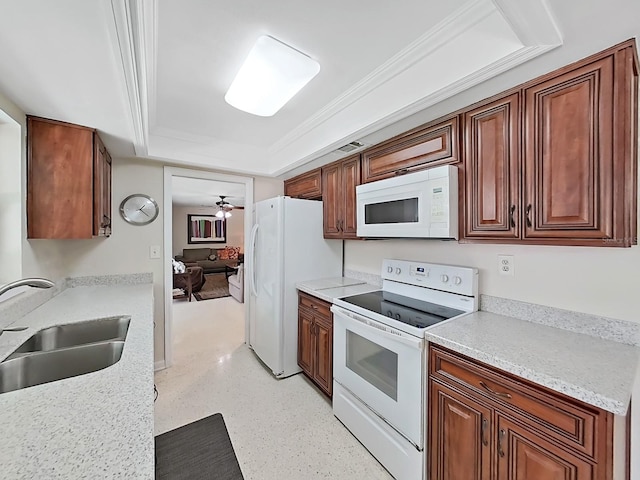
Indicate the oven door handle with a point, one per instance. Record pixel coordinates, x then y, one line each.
382 330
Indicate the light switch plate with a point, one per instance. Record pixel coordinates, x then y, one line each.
154 251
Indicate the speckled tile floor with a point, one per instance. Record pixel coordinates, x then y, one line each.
280 429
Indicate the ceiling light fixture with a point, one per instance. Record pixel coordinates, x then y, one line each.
269 77
224 208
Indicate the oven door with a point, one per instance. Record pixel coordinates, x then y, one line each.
383 368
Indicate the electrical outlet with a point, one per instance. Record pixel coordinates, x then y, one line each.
505 265
154 251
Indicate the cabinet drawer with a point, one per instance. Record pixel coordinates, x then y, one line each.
319 307
555 416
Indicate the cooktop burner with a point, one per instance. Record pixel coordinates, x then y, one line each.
414 312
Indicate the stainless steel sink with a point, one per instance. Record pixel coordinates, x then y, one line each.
74 334
44 367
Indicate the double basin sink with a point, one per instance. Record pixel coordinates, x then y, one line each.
64 351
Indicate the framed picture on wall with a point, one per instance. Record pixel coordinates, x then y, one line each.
206 229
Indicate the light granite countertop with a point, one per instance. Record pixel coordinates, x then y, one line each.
94 426
594 370
328 289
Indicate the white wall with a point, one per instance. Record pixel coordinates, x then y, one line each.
235 228
125 251
10 200
601 281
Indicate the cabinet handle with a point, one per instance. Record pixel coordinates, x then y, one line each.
528 217
511 219
501 436
340 222
315 307
493 392
485 424
106 221
402 171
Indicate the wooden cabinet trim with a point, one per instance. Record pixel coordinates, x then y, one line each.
339 181
318 306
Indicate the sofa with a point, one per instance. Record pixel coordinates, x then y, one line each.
209 258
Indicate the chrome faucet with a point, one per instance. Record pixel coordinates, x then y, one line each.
29 282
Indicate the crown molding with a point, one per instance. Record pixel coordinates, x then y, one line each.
437 37
134 23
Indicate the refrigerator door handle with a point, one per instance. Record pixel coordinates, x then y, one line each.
254 236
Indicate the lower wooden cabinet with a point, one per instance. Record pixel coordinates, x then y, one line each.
485 424
315 341
463 427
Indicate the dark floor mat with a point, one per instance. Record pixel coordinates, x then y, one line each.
199 450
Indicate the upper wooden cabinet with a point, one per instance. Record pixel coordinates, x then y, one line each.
307 185
492 166
68 181
574 180
423 147
339 181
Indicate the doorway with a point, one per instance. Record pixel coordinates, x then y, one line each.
179 181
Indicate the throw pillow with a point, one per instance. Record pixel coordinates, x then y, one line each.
212 257
223 254
233 252
178 267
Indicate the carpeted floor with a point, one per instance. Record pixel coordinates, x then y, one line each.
215 286
199 450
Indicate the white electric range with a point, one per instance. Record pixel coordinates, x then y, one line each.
379 357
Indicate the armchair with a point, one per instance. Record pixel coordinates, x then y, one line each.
236 284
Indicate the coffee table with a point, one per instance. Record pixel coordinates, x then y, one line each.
230 270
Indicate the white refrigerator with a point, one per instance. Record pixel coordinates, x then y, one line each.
287 247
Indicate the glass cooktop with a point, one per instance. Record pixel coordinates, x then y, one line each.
417 313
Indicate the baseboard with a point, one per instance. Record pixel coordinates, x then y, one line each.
159 365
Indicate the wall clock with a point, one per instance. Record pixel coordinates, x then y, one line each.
139 209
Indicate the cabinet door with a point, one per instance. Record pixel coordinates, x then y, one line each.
492 170
305 341
350 173
418 149
332 203
522 455
59 180
568 155
323 371
307 185
460 433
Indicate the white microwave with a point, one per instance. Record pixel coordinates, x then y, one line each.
422 204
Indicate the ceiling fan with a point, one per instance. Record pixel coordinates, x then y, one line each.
224 208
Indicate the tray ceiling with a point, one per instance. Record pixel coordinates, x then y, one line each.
151 76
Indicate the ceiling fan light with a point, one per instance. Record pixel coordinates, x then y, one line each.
227 214
219 213
270 76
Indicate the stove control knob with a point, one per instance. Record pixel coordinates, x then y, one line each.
390 269
389 314
457 280
444 277
398 271
398 316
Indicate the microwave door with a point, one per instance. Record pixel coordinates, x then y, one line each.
388 214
